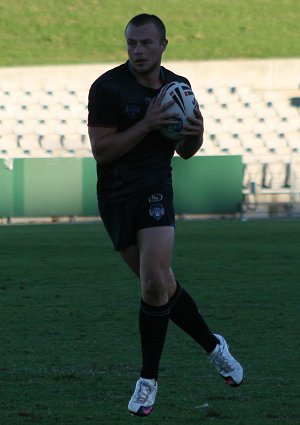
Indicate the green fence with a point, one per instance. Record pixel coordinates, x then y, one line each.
208 185
38 187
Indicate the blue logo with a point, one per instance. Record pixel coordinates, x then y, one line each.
157 211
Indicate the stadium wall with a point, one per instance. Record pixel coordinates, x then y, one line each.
261 74
43 187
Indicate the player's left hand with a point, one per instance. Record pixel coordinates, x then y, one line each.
192 136
196 127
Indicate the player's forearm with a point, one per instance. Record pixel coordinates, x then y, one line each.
193 133
115 145
187 147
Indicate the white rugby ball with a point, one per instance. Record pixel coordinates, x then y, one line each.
185 104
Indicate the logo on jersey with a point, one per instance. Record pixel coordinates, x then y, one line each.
156 197
157 211
133 110
148 100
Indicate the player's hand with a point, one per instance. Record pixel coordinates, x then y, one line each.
192 136
157 114
196 127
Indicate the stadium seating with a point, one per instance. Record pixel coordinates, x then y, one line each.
49 120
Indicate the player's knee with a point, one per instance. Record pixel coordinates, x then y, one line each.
155 290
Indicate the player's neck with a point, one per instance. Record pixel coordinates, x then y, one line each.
151 79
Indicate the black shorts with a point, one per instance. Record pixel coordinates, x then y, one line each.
153 207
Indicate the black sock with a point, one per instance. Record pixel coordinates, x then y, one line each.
153 328
185 314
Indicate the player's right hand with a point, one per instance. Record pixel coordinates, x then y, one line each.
156 115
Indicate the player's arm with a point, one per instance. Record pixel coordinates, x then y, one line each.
193 137
108 144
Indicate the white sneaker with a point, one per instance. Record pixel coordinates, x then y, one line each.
230 369
143 398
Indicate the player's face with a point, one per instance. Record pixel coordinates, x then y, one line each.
145 48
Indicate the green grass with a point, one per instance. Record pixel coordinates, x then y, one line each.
69 343
91 31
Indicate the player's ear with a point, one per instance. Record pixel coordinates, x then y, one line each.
164 44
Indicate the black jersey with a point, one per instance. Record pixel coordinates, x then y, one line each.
116 99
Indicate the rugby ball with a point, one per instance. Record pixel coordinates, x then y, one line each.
185 104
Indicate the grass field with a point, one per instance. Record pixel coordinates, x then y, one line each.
69 344
91 31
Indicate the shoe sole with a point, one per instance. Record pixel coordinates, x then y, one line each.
142 412
229 381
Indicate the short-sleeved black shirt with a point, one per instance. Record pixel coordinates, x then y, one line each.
116 99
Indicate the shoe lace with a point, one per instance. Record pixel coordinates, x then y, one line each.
222 361
143 392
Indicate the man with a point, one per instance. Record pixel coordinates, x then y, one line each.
134 179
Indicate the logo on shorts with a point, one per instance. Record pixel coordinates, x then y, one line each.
157 211
156 197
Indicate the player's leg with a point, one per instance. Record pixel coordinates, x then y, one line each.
155 247
185 314
131 257
183 310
